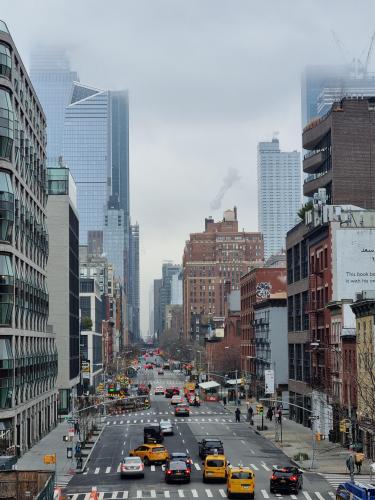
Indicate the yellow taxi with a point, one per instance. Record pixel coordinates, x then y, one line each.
240 481
215 467
150 453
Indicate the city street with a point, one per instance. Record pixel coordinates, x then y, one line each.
241 445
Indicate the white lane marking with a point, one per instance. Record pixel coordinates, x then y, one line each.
242 441
252 451
97 470
101 496
153 494
128 421
265 494
234 434
197 466
121 422
254 467
125 494
141 420
209 493
108 423
187 451
183 441
222 493
181 493
307 495
124 442
331 494
153 468
167 494
194 493
319 495
265 466
74 497
139 494
119 468
293 497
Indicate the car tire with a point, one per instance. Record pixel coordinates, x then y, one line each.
272 490
146 461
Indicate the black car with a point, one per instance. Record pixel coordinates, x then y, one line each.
152 433
286 479
177 471
210 446
180 456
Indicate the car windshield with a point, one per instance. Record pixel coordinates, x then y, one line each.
213 444
215 463
177 466
132 460
178 455
281 473
241 475
158 450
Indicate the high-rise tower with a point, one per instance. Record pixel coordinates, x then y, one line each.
279 194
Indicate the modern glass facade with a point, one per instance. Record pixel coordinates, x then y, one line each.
53 81
87 151
28 357
279 194
114 234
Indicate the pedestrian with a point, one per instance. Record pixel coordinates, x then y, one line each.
279 415
359 458
238 415
250 412
350 467
269 414
224 401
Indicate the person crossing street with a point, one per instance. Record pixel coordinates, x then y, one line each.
238 415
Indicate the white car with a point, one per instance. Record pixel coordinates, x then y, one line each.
166 427
132 466
159 390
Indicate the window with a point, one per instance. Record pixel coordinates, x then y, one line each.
5 61
6 125
6 289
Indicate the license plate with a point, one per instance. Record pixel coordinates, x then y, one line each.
283 481
209 473
245 486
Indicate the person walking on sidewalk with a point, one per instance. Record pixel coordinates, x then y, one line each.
350 467
279 415
238 415
269 414
359 458
224 401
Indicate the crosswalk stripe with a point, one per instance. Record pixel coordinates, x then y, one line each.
153 494
167 494
293 497
181 493
101 496
209 493
141 420
307 495
265 466
118 468
115 422
222 493
194 493
108 470
254 467
197 466
331 494
319 495
265 494
153 468
121 422
97 470
139 494
74 497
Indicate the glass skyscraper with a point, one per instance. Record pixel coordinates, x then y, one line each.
279 194
53 80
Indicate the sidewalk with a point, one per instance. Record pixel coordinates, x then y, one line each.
53 443
329 458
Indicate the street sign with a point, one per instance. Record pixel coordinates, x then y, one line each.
71 432
269 381
49 459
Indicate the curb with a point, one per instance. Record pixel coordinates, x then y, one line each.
81 471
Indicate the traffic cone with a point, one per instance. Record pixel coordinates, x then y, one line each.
94 494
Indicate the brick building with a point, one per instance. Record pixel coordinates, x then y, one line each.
341 144
219 254
256 285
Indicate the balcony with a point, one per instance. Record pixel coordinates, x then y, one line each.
314 182
314 131
312 161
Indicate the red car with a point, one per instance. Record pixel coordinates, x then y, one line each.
182 409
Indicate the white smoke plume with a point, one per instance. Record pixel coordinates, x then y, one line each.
229 180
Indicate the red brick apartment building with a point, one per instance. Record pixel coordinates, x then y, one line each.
219 254
256 285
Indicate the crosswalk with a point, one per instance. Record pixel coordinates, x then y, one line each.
164 414
194 493
63 479
200 419
336 479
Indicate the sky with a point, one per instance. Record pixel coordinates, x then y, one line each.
208 80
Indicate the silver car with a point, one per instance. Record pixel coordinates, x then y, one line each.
166 427
132 466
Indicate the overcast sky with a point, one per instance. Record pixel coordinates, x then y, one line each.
208 79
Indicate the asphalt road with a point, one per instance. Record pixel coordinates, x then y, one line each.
241 445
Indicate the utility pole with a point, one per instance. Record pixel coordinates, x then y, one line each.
236 388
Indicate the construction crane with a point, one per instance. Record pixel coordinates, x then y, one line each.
358 67
369 52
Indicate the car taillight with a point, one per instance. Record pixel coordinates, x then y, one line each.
273 477
187 471
293 478
169 471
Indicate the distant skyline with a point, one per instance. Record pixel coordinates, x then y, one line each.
207 82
